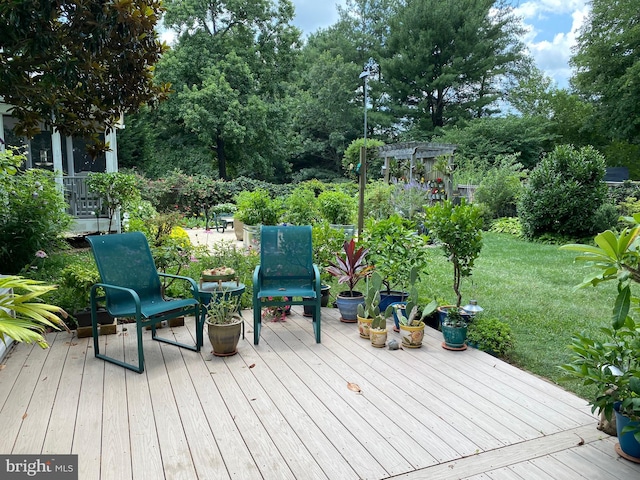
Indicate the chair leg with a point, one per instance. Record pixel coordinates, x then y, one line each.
316 320
136 368
257 321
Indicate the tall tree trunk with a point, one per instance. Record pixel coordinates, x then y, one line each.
222 158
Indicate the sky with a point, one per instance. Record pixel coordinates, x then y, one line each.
551 28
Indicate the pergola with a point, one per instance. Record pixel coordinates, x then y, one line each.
419 160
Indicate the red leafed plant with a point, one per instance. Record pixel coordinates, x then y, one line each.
350 268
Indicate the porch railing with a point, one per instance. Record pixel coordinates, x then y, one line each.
82 202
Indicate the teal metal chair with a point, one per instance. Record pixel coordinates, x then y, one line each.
286 270
132 288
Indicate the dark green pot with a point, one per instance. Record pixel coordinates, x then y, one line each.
454 337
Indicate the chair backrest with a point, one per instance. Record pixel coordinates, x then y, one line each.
125 260
286 253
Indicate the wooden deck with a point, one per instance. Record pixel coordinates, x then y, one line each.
282 410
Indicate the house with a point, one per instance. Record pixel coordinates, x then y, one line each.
68 158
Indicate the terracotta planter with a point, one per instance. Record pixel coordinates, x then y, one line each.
224 338
378 337
412 336
364 325
238 229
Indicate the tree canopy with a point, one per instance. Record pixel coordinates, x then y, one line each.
230 69
607 59
446 60
77 65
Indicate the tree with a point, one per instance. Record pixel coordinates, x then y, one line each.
446 59
607 60
571 118
485 139
230 69
76 66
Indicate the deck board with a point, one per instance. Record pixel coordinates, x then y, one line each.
282 410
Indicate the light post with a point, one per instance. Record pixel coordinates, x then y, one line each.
369 68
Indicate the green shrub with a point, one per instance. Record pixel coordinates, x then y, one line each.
258 208
351 158
491 335
629 207
395 248
606 217
32 217
563 194
510 225
501 187
301 207
378 202
326 242
337 207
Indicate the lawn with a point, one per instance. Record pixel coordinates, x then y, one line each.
530 286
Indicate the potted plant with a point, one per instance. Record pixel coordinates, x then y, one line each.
611 361
411 319
398 253
224 325
372 322
256 208
73 296
370 308
378 328
490 335
338 208
458 228
350 269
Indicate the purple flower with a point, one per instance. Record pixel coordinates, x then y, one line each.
41 254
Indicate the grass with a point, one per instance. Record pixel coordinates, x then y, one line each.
530 286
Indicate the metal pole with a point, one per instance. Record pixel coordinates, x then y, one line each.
363 166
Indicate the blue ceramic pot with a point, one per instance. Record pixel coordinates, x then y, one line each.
628 443
396 320
387 298
348 306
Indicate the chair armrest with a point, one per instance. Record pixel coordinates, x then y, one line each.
193 283
316 278
256 278
106 286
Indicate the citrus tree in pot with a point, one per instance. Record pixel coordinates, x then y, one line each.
398 253
350 268
458 228
611 362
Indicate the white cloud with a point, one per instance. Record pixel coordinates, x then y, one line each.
552 56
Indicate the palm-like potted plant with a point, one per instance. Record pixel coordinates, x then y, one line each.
612 364
350 268
224 324
459 230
